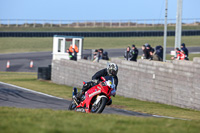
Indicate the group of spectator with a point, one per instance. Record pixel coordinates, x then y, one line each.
131 54
181 54
156 54
151 53
100 54
72 52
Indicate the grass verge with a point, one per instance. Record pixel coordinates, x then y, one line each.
28 80
20 120
16 120
31 44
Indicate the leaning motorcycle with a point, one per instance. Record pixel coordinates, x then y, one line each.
95 99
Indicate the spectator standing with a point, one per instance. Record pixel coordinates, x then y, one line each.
134 53
102 55
159 52
71 48
180 55
95 55
144 52
154 56
185 50
105 56
74 54
148 50
127 54
70 54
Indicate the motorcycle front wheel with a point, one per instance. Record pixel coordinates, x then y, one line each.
72 106
99 107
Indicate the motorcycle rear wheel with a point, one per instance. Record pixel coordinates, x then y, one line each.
101 106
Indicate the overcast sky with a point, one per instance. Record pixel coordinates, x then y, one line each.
95 10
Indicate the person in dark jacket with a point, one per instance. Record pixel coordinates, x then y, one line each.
127 54
134 53
102 55
185 50
148 50
159 52
110 73
70 54
74 57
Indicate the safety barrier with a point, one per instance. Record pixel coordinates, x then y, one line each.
99 34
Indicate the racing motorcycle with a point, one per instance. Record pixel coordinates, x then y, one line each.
95 99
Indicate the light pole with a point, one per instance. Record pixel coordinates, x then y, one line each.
165 31
178 24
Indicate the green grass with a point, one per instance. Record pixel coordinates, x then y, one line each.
29 80
15 120
15 45
87 29
20 120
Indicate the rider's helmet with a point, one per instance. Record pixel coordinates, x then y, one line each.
112 69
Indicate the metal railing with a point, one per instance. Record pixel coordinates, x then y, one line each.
95 23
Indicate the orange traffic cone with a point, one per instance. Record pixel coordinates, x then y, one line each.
31 64
8 64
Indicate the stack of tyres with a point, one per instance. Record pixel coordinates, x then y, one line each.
44 73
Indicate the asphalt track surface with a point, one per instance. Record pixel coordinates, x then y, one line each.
14 96
20 62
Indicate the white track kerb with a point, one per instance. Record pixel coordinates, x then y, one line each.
30 90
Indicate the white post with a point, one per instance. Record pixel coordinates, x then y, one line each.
60 23
26 23
102 23
153 21
77 23
43 23
51 23
165 32
120 23
178 24
16 23
68 24
34 24
136 23
86 23
8 23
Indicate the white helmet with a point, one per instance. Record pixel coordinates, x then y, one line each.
112 69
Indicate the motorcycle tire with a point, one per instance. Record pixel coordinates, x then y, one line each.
71 106
102 106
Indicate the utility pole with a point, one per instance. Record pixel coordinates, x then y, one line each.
178 24
165 32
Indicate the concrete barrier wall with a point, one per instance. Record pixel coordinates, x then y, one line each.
176 83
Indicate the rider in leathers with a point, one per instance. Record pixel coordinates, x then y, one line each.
109 73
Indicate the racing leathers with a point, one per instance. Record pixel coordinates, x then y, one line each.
96 78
